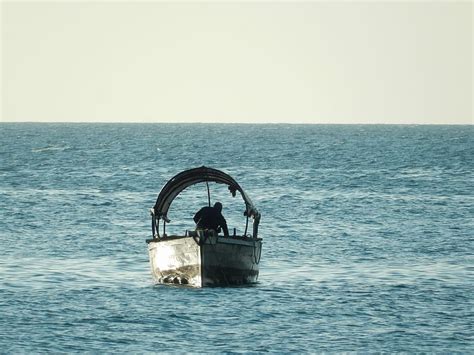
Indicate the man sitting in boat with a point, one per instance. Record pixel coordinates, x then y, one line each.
211 218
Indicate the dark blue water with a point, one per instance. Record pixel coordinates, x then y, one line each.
368 238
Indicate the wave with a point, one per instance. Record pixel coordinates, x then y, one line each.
50 148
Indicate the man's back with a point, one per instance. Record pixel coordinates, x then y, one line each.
210 218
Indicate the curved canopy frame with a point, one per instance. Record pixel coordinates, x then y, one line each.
194 176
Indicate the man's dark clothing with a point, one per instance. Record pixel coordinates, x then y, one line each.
211 218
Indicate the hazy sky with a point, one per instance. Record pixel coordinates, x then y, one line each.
308 62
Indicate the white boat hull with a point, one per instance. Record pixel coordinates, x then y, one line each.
212 261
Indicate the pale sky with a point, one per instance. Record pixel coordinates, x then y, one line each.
262 62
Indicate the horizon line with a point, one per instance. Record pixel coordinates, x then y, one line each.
243 123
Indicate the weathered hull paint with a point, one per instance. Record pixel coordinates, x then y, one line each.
219 261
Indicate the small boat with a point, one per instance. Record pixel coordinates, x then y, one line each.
202 258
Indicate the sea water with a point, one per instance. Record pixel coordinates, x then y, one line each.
367 238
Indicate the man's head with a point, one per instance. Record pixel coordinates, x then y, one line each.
218 206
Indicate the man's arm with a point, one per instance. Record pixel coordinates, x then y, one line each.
197 216
223 224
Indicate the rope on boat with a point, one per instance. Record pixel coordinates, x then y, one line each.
256 259
246 224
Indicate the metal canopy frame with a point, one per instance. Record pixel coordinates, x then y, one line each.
194 176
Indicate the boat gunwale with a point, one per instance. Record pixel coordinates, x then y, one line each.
219 238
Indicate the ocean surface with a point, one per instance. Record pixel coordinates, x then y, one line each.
368 235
